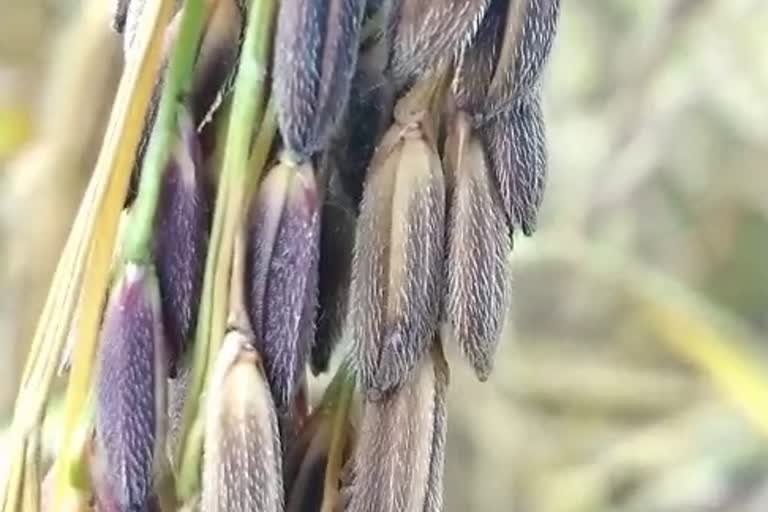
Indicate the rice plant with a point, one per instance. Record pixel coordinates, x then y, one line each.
284 186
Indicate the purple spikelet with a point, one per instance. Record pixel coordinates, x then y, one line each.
281 273
130 412
181 238
315 57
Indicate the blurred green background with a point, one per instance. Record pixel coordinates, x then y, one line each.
634 377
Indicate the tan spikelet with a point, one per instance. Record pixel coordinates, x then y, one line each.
478 250
428 33
242 465
398 461
396 272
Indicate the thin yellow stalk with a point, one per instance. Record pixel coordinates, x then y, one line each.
115 162
98 216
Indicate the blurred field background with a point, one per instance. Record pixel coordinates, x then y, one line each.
635 374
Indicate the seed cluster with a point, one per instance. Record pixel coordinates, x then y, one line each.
411 149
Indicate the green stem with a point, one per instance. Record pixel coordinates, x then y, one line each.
246 113
261 147
342 380
340 436
139 237
248 101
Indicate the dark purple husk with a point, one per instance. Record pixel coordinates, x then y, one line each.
315 57
281 277
131 390
181 241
